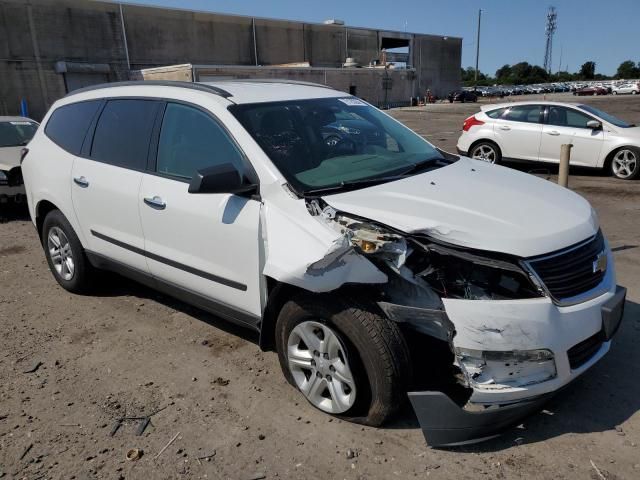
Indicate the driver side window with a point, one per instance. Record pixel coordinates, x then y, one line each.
567 117
191 140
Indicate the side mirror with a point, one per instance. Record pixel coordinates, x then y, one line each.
223 178
594 124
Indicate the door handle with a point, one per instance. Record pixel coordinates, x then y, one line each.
81 181
155 202
555 133
505 127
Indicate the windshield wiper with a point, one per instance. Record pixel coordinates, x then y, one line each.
424 165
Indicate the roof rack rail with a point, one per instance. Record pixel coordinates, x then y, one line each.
269 80
203 87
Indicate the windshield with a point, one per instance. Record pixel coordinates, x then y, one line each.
16 133
605 116
331 143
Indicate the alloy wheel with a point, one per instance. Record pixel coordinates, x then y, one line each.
485 153
318 363
60 253
625 163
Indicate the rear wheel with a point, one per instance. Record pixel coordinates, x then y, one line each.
486 151
625 163
344 357
65 255
634 92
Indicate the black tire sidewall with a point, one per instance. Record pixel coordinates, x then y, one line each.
78 282
373 391
495 147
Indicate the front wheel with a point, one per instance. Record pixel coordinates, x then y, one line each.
65 255
634 92
344 357
486 151
625 163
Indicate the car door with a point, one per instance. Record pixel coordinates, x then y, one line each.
205 244
518 132
564 125
106 180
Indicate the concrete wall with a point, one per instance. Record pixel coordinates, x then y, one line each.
368 82
35 34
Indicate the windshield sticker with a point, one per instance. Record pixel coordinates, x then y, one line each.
353 101
20 123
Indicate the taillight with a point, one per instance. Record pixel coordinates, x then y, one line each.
470 122
23 153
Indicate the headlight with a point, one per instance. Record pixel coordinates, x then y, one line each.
372 239
493 369
462 274
3 178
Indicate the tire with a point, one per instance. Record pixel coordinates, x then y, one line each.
625 163
486 151
70 267
370 346
615 93
634 92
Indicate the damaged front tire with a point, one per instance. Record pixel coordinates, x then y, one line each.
345 357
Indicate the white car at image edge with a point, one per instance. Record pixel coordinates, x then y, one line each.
376 265
534 131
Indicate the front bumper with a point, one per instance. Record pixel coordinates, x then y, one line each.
444 423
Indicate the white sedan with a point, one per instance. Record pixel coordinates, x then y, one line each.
534 131
632 88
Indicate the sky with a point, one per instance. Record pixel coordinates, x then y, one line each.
512 30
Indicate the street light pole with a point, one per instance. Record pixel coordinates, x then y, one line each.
477 49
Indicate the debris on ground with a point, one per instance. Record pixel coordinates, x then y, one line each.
134 454
25 451
167 445
223 382
34 368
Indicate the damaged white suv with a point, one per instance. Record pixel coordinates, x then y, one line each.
375 264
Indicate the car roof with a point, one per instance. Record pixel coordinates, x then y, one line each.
235 91
495 106
16 119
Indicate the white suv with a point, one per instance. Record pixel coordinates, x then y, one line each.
534 131
374 263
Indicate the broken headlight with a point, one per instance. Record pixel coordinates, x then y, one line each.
466 275
372 239
498 369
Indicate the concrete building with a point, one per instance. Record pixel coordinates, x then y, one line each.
50 47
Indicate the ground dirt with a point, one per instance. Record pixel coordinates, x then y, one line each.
127 351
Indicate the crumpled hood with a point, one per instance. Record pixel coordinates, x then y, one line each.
475 204
9 157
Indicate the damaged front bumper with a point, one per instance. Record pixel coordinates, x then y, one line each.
489 411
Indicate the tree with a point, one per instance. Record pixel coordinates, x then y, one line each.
628 69
503 74
588 70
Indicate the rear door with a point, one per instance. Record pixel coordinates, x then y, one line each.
207 244
566 125
106 180
518 132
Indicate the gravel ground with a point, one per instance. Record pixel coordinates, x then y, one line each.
128 351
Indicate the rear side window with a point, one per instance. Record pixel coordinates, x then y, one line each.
191 140
497 113
68 124
123 133
523 113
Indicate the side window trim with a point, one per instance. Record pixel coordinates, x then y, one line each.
88 137
249 172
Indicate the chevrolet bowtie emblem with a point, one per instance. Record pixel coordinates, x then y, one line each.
600 263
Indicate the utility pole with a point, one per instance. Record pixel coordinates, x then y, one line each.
477 50
552 24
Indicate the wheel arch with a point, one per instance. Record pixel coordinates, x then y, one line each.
277 295
41 211
606 164
484 140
